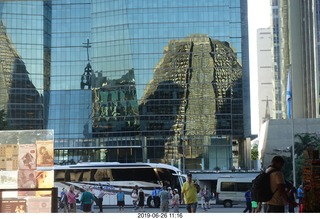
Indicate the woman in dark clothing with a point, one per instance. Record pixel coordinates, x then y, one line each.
141 199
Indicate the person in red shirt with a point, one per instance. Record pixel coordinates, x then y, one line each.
72 196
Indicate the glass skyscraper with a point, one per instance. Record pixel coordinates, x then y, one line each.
130 80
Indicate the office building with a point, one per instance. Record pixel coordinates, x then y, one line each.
265 75
132 81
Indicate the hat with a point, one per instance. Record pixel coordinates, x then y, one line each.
169 188
175 190
189 174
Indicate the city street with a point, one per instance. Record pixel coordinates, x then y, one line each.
129 209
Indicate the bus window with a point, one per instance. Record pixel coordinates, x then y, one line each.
86 175
59 176
103 175
139 174
75 175
227 186
243 186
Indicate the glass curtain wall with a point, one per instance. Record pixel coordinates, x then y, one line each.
139 80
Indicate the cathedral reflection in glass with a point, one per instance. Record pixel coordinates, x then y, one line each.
129 80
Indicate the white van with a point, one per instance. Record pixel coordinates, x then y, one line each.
231 190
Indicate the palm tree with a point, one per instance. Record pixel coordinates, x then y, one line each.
303 141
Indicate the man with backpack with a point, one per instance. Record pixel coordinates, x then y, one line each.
277 183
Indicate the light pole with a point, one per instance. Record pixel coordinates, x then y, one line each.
183 153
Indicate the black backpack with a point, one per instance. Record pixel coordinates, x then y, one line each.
261 188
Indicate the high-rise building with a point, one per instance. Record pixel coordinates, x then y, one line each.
296 36
139 80
265 75
295 32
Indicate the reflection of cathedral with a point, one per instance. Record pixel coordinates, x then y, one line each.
176 106
18 97
115 107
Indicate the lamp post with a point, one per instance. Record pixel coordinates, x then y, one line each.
183 153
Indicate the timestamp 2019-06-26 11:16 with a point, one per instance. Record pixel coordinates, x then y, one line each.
159 215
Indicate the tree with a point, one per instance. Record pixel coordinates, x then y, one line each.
302 142
254 152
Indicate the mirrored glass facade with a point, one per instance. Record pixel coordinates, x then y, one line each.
130 80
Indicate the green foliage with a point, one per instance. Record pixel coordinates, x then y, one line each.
254 152
302 142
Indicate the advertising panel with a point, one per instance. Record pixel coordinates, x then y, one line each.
26 163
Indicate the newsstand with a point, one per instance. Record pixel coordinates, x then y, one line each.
311 181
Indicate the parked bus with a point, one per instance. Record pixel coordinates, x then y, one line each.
111 176
231 190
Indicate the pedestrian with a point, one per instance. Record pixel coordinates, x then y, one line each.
64 201
279 199
206 195
201 196
141 199
95 198
292 196
189 194
300 194
134 196
72 196
120 200
254 207
87 198
100 199
248 198
170 196
175 200
164 200
155 196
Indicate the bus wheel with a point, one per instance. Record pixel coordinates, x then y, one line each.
227 204
150 202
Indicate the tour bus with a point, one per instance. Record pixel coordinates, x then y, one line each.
231 190
112 175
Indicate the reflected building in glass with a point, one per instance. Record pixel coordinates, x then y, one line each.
136 81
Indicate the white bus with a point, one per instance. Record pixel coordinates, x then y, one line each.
231 190
111 176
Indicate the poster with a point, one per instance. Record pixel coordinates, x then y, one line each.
8 180
44 153
44 179
27 157
9 156
27 179
14 206
39 205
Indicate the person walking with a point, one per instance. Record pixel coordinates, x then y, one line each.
247 196
120 200
100 199
279 199
164 200
64 201
300 194
134 196
206 195
72 195
175 200
87 198
91 189
189 194
141 199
